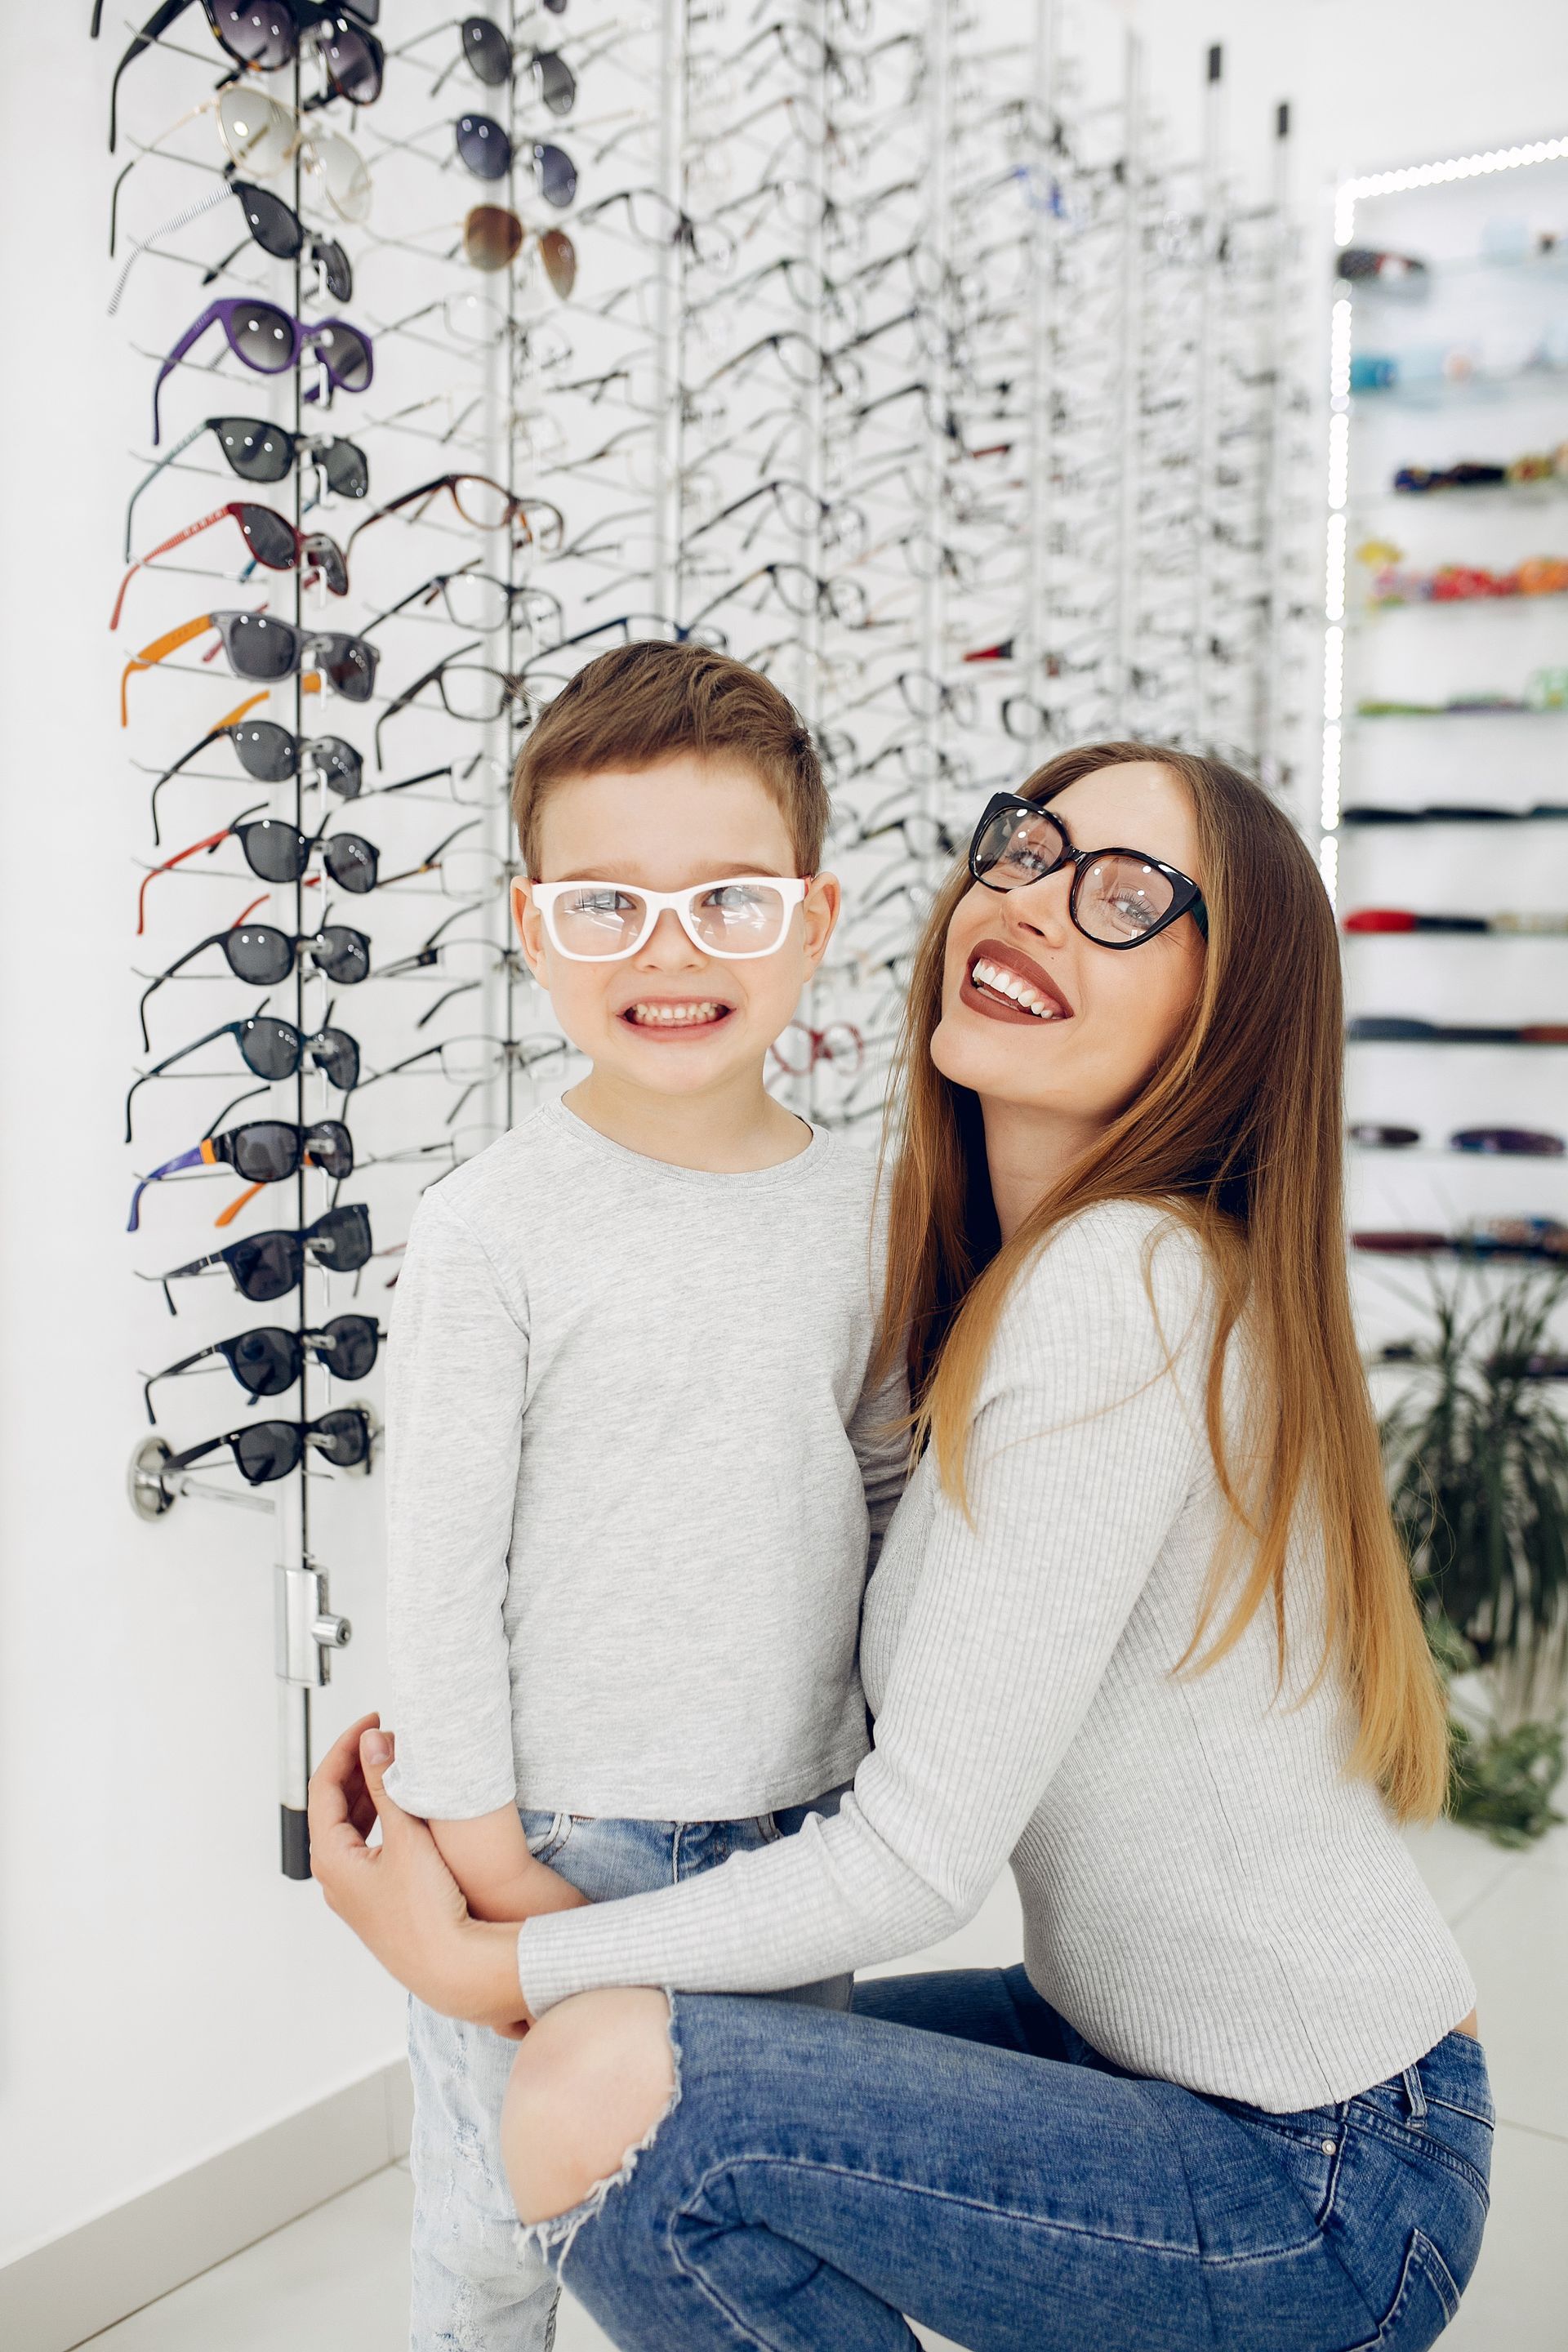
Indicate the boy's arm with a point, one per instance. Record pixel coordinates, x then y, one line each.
499 1878
878 1431
457 1375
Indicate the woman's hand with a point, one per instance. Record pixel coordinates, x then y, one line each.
399 1898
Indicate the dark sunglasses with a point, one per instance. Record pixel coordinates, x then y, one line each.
267 33
268 1265
263 1151
265 956
271 539
265 1451
490 58
1120 897
275 755
278 229
261 648
270 1049
485 150
270 341
278 852
269 1359
261 452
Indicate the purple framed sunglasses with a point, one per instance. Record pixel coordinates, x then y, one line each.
272 342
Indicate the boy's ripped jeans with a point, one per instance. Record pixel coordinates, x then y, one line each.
473 2290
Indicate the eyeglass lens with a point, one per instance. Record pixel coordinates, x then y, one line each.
1117 899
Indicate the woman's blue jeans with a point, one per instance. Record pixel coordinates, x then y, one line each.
953 2150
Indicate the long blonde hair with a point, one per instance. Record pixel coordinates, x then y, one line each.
1239 1133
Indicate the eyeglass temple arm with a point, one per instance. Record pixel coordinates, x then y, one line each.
156 26
172 1371
225 726
230 1028
200 1155
211 842
409 692
178 965
159 649
177 451
191 336
179 538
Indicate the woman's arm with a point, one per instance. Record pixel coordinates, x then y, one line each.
1083 1452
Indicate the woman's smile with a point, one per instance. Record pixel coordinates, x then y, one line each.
1006 984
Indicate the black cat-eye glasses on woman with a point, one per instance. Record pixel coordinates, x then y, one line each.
1120 897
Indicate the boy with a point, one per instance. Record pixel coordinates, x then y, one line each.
634 1475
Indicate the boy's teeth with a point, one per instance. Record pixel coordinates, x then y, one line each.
672 1016
1023 992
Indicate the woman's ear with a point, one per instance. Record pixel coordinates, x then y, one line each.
820 910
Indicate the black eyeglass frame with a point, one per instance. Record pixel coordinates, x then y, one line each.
292 1346
1186 899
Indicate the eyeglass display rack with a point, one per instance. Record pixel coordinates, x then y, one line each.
824 338
1445 721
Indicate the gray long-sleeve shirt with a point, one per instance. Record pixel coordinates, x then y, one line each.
1207 1896
633 1476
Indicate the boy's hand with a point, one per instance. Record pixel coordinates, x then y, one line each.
528 1893
399 1898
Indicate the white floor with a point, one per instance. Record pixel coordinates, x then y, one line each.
337 2280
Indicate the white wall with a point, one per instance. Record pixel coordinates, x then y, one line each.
163 1991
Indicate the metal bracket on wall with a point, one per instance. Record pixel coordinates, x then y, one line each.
154 1489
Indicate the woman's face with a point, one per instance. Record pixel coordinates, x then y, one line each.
1108 1015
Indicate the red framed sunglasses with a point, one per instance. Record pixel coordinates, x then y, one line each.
272 541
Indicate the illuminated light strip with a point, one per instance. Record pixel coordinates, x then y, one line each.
1329 865
1334 570
1431 176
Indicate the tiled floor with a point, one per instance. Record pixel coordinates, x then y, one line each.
337 2280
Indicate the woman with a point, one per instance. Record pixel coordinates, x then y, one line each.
1142 1627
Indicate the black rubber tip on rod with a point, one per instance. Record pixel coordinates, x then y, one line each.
295 1842
1282 119
1216 62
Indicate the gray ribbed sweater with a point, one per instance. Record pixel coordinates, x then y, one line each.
1207 1897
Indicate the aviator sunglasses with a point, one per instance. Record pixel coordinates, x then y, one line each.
1120 897
268 1360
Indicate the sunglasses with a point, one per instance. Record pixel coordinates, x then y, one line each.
270 223
257 646
270 341
268 1360
485 150
264 1151
493 237
267 33
1120 897
270 1049
267 1265
265 957
259 451
260 136
271 539
604 922
278 851
274 755
265 1451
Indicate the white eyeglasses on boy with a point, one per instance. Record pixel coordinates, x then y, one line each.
602 922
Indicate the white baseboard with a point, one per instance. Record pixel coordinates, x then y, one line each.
66 2291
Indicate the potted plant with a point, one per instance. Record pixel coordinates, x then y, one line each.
1477 1451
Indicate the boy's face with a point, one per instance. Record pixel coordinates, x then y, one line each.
671 1018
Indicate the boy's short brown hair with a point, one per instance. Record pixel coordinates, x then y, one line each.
647 702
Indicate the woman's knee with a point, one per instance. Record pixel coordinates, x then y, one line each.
588 2085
